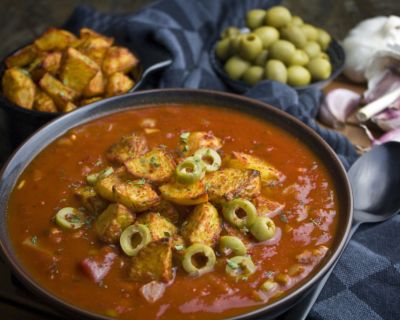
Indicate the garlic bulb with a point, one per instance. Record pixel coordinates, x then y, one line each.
365 40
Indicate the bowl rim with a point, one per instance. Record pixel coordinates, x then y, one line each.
13 168
240 86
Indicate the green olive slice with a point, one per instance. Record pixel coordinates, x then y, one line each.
189 170
70 218
230 244
210 159
92 178
198 259
134 238
230 212
263 228
240 267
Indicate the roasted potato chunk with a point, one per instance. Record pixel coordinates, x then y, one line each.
153 262
202 226
110 224
130 146
104 186
136 195
167 210
242 160
22 57
93 45
77 70
54 39
90 200
19 88
118 83
157 166
193 141
43 102
159 226
230 183
119 59
96 86
85 102
60 93
48 62
266 207
185 194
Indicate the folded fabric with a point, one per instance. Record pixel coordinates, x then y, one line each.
366 282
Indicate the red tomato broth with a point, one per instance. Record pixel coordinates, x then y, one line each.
51 176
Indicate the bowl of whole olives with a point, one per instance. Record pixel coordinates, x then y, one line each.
276 45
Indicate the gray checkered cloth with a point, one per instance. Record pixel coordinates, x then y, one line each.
366 282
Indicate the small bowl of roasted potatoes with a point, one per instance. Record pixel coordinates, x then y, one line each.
60 71
276 45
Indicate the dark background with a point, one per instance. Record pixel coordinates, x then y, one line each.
24 20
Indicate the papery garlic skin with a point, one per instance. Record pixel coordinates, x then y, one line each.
365 40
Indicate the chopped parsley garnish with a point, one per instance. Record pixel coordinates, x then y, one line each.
185 148
232 264
140 182
98 163
269 274
179 247
283 217
153 162
34 240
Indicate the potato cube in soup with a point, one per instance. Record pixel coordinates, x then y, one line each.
119 59
22 57
77 70
18 87
104 186
185 194
159 226
118 83
136 195
129 146
110 224
90 200
197 140
167 210
157 166
202 226
228 184
43 102
54 39
153 262
60 93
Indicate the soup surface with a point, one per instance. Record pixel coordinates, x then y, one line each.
82 261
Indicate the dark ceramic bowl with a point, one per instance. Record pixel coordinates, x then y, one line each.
335 52
23 122
30 149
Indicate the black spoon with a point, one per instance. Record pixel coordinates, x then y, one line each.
375 180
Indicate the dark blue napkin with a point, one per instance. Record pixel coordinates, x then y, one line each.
366 282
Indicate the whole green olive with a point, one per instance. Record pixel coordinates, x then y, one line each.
324 55
295 35
297 21
255 18
282 50
253 75
323 39
250 46
261 59
223 49
299 58
310 32
235 42
278 17
267 35
312 49
276 70
298 76
230 32
320 69
235 67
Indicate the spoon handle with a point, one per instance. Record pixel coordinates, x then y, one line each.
302 309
